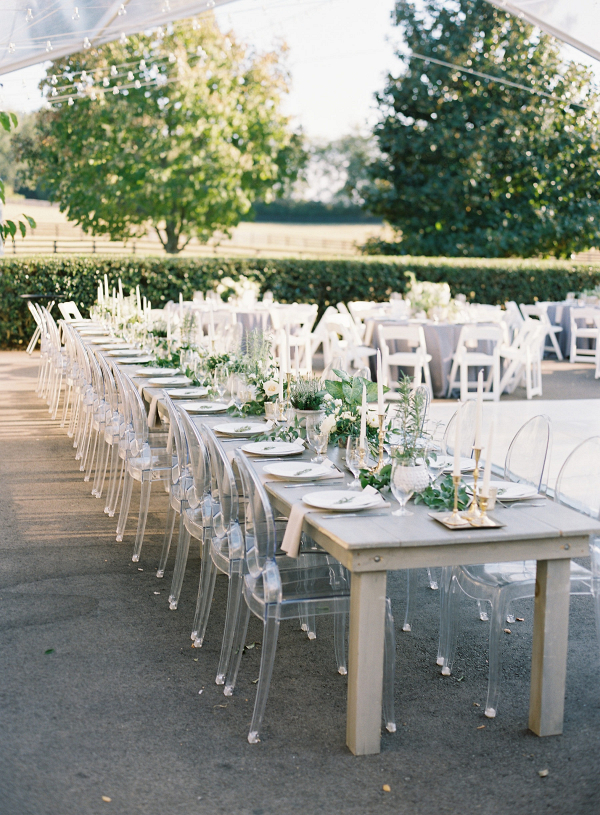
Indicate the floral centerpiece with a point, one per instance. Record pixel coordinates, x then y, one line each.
342 402
427 296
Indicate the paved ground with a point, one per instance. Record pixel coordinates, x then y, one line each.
100 690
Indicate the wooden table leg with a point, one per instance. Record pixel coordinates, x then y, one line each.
365 662
549 650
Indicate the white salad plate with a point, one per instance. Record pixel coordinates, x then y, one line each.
299 470
508 491
161 381
157 371
243 428
466 464
342 500
273 448
187 393
125 351
202 407
134 360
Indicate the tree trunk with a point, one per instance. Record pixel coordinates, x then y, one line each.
172 243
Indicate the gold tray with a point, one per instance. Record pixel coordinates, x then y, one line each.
492 523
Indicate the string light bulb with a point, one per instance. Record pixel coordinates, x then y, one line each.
166 7
113 70
123 39
196 24
86 43
28 16
122 10
49 46
11 48
76 14
71 102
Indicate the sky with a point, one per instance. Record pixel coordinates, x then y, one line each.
340 52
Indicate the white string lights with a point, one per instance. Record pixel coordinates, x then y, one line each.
62 27
92 85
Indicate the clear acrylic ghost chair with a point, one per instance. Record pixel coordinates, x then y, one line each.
274 594
108 442
143 463
181 481
467 411
578 485
527 462
197 517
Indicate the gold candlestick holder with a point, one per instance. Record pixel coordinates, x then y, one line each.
483 519
381 436
474 511
454 519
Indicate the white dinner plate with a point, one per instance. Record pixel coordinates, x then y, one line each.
134 360
466 464
341 500
508 491
273 448
161 381
125 351
157 371
202 407
299 470
186 393
241 428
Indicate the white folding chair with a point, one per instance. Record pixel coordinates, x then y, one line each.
415 356
523 362
70 312
468 356
539 312
584 326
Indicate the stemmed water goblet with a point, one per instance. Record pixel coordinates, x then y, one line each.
317 439
402 484
353 460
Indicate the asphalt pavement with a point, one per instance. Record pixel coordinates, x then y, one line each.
106 708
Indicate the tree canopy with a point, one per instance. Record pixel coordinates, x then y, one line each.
179 131
473 166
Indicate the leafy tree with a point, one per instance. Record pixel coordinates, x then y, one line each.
178 131
8 228
477 167
337 170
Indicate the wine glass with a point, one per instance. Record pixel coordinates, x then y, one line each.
402 484
317 439
435 462
220 377
353 460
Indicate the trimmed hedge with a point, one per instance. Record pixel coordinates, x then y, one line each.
313 281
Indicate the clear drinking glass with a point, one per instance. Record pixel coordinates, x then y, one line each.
220 377
353 460
317 439
402 485
434 461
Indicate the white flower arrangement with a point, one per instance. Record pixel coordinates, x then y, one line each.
425 296
271 387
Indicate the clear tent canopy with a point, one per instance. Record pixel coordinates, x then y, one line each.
34 31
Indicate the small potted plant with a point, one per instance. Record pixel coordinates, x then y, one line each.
306 397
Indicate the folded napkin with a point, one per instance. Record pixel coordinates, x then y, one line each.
293 531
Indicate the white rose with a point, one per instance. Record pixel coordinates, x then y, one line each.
338 402
271 387
372 419
328 397
346 415
328 423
